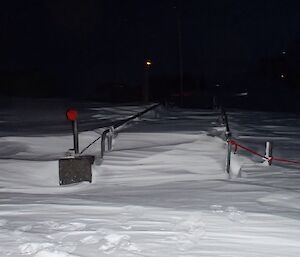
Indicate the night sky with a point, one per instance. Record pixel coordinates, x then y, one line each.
77 47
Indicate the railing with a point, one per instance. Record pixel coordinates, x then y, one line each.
267 156
108 132
228 139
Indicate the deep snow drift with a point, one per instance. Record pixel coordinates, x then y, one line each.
161 192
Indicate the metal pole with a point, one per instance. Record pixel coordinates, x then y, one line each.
103 137
268 154
110 138
228 137
228 158
228 133
75 136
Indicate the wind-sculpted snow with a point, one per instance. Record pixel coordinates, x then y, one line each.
161 192
255 128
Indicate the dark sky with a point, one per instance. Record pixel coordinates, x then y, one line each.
90 42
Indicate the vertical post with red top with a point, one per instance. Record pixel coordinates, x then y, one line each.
75 168
72 116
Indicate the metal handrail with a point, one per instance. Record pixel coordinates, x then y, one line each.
115 126
103 137
122 122
225 121
228 137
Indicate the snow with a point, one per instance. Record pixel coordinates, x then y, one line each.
161 192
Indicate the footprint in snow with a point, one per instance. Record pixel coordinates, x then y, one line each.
25 228
126 227
232 213
217 208
54 253
189 232
32 248
21 230
66 246
72 226
91 240
117 241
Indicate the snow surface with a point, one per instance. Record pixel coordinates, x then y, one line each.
161 192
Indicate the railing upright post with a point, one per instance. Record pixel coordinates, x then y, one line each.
268 154
106 135
103 137
110 138
228 158
75 136
72 116
228 137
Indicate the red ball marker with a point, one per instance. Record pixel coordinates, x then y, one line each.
72 115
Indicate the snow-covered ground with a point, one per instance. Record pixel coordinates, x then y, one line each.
161 192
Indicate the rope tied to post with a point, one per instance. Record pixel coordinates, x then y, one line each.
269 159
237 145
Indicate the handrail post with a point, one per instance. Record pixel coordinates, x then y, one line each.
72 116
228 133
75 136
228 137
103 137
268 154
110 138
228 158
